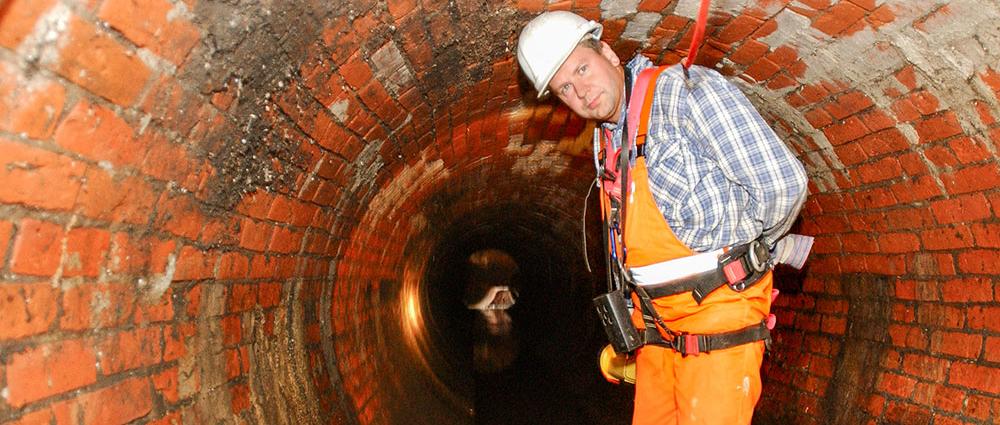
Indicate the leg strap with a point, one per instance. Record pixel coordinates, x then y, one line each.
694 344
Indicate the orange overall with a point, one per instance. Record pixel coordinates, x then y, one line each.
720 387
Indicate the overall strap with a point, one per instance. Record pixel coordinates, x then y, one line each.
643 113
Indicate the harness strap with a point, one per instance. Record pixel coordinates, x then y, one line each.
739 268
691 344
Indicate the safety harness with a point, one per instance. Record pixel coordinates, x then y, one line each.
737 267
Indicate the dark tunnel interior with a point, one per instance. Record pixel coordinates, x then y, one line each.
543 370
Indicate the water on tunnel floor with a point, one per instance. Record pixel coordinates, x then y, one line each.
535 361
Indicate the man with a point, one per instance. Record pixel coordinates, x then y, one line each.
712 179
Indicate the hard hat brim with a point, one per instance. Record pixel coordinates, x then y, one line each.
543 88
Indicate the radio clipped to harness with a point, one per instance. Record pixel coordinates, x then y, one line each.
613 310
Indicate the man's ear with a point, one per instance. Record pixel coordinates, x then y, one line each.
609 54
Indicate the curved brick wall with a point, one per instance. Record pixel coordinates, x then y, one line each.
219 213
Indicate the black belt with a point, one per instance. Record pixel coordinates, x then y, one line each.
739 268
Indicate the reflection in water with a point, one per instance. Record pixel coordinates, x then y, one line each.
489 291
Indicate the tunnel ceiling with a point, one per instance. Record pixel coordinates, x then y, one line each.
203 200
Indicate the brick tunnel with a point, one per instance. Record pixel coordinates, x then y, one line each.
221 212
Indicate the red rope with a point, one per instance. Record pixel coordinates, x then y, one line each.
699 33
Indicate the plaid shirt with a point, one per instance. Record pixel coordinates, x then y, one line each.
719 174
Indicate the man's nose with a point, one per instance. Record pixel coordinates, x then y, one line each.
581 90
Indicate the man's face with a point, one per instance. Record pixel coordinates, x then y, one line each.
591 83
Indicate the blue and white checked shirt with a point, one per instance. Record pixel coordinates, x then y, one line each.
719 174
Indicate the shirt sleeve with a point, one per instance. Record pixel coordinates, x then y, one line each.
747 150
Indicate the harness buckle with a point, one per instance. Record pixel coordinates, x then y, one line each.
686 344
744 264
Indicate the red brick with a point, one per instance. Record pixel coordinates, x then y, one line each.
232 329
240 398
947 238
179 215
241 298
26 309
916 189
400 8
818 118
905 110
972 179
898 242
154 24
979 261
978 406
152 310
37 249
118 404
37 178
938 127
193 301
254 235
992 79
877 120
987 235
966 208
232 356
845 131
130 349
992 349
762 70
233 265
91 305
957 344
838 18
925 102
285 240
166 385
883 142
814 93
194 264
926 367
882 15
85 251
269 294
99 134
969 150
738 29
116 198
849 104
29 105
907 336
99 64
19 20
6 231
982 378
50 369
897 385
968 290
356 72
173 342
165 160
883 169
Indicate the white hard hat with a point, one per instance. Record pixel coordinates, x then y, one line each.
547 41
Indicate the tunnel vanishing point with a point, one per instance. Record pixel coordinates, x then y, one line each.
263 211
